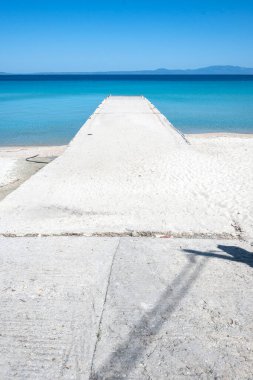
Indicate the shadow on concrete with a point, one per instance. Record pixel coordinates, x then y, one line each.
233 253
125 357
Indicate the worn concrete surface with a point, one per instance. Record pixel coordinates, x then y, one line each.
125 308
52 297
128 169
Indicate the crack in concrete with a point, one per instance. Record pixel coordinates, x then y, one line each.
102 313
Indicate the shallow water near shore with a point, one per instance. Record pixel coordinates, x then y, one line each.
43 109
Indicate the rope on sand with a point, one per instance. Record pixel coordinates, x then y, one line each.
29 159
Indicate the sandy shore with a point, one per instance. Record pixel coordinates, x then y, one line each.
232 148
14 169
220 134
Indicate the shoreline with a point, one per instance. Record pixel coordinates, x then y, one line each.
220 134
61 147
44 149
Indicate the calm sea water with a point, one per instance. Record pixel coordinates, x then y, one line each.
50 109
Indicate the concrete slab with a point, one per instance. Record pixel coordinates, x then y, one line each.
52 296
134 308
177 309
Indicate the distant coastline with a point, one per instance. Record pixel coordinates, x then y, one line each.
210 70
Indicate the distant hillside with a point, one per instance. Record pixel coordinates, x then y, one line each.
210 70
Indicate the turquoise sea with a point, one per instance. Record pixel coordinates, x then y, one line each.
50 109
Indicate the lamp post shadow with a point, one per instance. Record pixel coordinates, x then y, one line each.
125 356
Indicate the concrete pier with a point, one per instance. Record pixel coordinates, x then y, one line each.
109 179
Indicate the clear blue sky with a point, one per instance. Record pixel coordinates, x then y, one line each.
75 35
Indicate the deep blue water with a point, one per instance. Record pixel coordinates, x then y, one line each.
49 109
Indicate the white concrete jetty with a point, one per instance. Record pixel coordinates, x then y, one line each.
109 178
127 169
